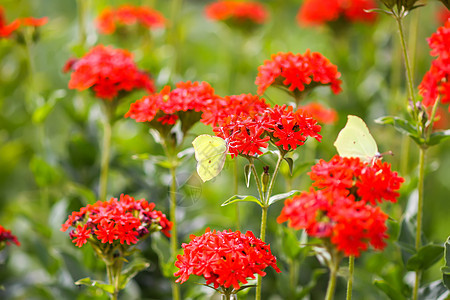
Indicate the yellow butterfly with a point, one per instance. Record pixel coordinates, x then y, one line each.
210 153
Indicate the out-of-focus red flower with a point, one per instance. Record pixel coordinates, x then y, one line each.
224 258
168 105
237 11
116 221
35 22
235 105
319 12
6 237
7 29
280 125
436 82
320 113
108 72
126 15
443 15
298 72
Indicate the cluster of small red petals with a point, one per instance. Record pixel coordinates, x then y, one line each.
235 105
7 29
247 135
436 82
320 113
6 237
342 205
298 72
165 105
374 182
239 11
108 72
116 221
127 14
318 12
224 258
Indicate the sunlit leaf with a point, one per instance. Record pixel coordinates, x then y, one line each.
239 198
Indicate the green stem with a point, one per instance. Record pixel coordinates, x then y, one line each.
351 267
262 237
420 187
82 12
106 150
331 283
173 219
174 36
236 191
293 274
413 34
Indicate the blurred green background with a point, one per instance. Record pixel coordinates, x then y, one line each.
50 139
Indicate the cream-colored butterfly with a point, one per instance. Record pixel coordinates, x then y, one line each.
355 140
210 153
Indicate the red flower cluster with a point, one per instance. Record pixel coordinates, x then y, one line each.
443 15
320 113
108 72
297 72
237 11
127 14
235 105
6 237
116 221
342 208
280 125
167 105
318 12
224 258
436 81
7 29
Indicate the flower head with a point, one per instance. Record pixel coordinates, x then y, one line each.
6 237
297 73
320 113
124 221
238 12
109 19
7 29
224 258
108 72
318 12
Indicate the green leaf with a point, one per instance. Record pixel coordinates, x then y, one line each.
132 269
438 136
239 198
446 268
161 246
392 293
406 240
403 126
427 256
290 163
275 198
247 174
44 173
289 242
109 288
435 290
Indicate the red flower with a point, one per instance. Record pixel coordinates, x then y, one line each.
284 128
320 113
318 12
443 15
224 258
237 11
168 106
436 81
127 14
117 221
297 72
34 22
6 237
7 29
108 72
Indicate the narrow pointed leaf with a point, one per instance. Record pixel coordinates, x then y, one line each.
239 198
446 268
290 162
438 136
276 198
94 283
392 293
403 126
132 269
247 174
427 256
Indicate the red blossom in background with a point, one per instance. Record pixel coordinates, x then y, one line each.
237 11
443 15
109 19
320 113
116 221
280 125
224 258
108 72
342 208
298 72
168 105
318 12
7 29
6 237
436 82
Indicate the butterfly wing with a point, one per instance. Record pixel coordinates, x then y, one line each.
210 153
355 140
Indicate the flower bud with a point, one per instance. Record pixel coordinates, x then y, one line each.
265 177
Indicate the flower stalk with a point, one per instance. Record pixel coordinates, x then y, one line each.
110 109
351 267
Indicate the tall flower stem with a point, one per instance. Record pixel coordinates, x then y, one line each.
174 35
236 191
110 108
351 267
82 12
331 284
265 196
173 218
